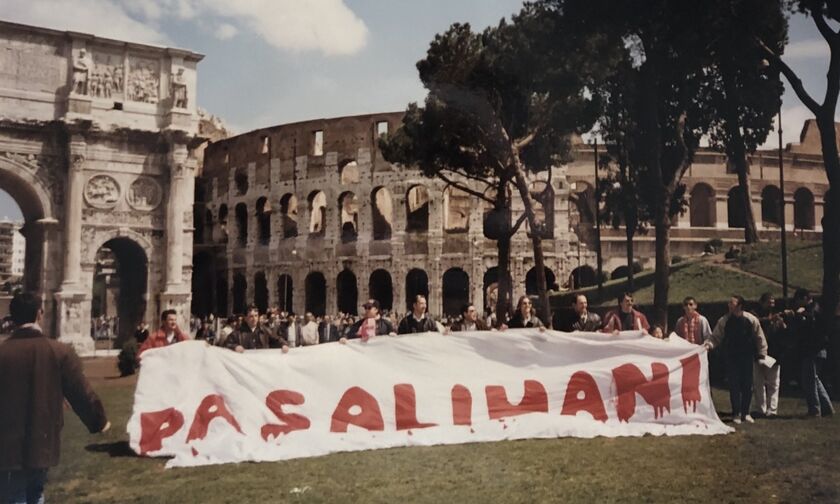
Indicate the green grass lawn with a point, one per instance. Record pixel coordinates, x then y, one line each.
790 459
709 283
804 262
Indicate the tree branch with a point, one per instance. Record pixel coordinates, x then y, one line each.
828 34
791 77
518 223
524 141
464 188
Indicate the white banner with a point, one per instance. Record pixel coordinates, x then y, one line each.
207 405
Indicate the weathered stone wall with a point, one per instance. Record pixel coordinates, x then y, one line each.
283 160
94 147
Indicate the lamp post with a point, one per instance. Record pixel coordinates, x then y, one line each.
782 205
286 307
598 225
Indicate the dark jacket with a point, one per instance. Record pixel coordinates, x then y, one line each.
480 325
36 375
806 333
328 333
517 322
410 325
260 337
591 324
383 327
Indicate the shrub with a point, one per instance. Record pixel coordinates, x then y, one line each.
127 359
677 259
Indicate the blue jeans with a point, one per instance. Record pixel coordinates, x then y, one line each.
25 486
815 394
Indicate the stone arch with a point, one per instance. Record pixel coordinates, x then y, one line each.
456 291
456 210
100 239
263 214
803 209
315 287
416 283
735 207
33 196
381 288
531 281
417 202
347 292
317 213
240 285
382 212
285 292
583 276
223 220
221 294
208 226
240 181
121 275
261 292
491 288
702 206
348 172
203 283
349 220
771 205
289 215
241 224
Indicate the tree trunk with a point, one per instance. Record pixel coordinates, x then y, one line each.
630 232
536 239
750 231
663 268
737 153
503 292
831 217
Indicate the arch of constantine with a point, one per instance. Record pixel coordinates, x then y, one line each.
95 147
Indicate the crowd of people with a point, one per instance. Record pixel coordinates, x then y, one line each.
753 344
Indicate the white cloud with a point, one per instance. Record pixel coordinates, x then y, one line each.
225 31
103 18
327 26
807 49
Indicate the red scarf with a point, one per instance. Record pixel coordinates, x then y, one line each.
687 328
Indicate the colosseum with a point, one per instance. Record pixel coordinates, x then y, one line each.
310 217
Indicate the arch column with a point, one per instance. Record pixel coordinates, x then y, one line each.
721 210
176 293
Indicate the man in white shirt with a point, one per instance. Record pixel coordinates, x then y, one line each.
309 331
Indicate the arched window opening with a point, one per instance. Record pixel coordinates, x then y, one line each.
417 209
349 217
383 213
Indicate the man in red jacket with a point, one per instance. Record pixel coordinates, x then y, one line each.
625 317
168 334
37 374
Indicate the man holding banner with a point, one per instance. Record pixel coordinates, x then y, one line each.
252 335
370 325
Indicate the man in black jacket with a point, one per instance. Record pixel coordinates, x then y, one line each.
327 331
811 344
418 320
253 335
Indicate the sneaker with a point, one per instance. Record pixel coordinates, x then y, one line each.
736 420
772 414
749 419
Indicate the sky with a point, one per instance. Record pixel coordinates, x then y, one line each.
270 62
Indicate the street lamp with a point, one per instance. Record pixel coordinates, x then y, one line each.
782 204
598 226
286 307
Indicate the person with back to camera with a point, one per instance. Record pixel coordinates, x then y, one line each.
37 374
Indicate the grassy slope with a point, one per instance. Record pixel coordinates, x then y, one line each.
783 460
709 283
804 262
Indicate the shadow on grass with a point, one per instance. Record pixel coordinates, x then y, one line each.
115 449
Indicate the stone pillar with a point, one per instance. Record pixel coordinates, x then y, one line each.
73 216
721 211
176 294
